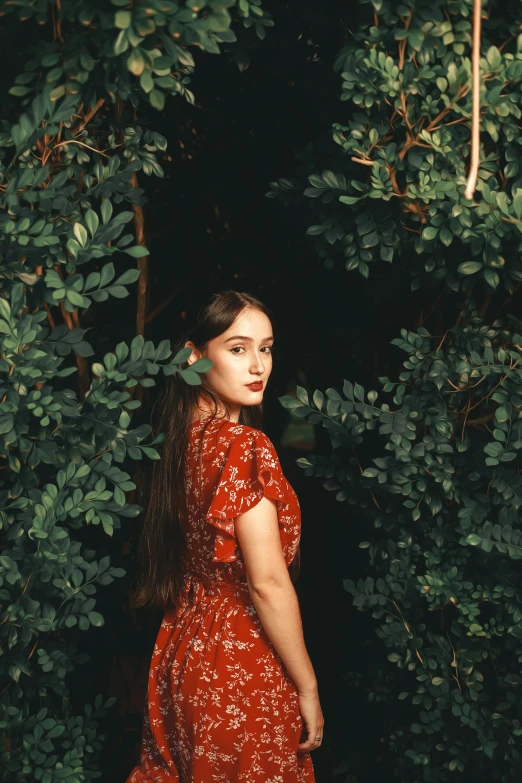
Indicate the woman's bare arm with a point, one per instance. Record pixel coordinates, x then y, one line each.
272 591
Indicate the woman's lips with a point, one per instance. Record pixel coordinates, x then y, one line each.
255 386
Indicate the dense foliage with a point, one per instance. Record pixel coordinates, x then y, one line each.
397 189
433 461
71 150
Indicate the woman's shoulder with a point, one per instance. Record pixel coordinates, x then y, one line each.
244 448
245 433
223 439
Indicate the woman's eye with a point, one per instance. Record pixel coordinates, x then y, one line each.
233 350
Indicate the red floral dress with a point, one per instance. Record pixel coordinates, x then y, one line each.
221 706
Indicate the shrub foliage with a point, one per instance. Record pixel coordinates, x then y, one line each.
71 151
442 492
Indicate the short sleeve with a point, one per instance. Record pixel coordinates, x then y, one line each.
251 470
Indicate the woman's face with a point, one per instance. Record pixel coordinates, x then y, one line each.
242 355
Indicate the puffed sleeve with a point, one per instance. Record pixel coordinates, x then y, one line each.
251 470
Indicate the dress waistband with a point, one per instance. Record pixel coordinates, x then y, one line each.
196 587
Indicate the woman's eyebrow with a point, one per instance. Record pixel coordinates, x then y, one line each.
244 337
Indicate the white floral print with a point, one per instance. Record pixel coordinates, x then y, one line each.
221 707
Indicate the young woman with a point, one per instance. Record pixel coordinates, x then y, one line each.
232 694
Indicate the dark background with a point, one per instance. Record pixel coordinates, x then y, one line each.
210 225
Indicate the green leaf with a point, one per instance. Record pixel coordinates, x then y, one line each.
202 365
128 277
119 496
370 240
138 251
190 377
386 253
469 267
446 236
136 62
18 90
494 57
146 81
430 233
491 277
57 93
107 274
91 219
80 232
96 619
493 449
121 44
106 210
157 99
517 203
122 19
76 299
118 291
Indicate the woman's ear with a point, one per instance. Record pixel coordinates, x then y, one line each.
195 355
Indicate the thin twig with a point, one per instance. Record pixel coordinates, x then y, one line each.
162 305
72 141
142 264
364 162
88 117
475 111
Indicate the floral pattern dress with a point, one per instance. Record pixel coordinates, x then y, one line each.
221 707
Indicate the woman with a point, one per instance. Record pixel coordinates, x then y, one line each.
232 694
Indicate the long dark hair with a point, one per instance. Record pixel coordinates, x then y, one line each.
162 551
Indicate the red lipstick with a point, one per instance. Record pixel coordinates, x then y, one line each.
257 386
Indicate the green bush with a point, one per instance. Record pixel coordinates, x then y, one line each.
71 148
441 496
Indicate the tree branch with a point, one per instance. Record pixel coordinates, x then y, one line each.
162 305
139 229
72 321
475 113
88 117
402 44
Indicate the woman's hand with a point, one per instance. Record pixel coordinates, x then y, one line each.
312 716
